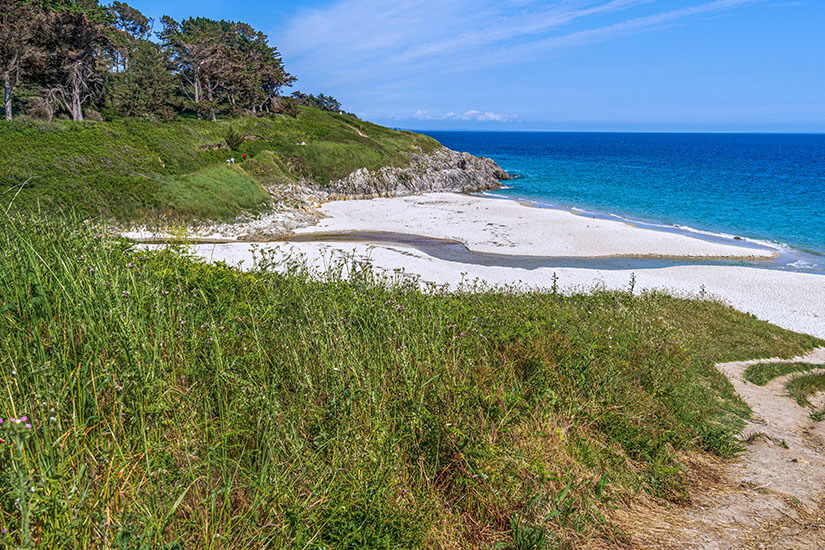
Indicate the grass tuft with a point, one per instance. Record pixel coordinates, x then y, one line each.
803 387
762 373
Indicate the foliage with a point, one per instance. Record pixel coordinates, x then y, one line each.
287 106
81 55
321 101
225 65
179 404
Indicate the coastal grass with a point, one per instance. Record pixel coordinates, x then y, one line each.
123 169
213 193
762 373
179 404
802 387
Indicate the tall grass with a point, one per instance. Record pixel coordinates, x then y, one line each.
176 404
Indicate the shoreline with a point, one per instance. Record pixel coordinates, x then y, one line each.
490 224
794 300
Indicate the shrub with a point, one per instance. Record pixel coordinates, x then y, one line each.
287 106
95 116
41 109
234 139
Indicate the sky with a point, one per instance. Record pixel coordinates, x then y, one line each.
568 65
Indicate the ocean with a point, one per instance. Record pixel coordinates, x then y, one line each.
765 187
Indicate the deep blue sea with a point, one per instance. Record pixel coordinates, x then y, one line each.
769 187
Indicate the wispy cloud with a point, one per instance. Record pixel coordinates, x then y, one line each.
387 46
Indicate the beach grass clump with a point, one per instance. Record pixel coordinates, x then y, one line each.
803 387
762 373
175 403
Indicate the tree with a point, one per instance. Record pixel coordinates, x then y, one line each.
224 64
146 87
17 24
321 101
139 80
73 76
194 46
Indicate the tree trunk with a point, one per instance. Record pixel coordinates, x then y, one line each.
76 109
7 95
212 115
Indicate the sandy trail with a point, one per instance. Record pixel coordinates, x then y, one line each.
773 496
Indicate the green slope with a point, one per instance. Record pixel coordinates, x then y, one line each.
135 169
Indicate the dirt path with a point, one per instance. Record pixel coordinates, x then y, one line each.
773 496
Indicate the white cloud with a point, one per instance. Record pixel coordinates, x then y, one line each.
471 115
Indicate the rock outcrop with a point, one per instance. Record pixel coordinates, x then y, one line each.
441 170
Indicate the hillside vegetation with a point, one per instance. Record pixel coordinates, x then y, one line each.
134 169
167 403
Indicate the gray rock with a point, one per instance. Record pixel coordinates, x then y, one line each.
441 170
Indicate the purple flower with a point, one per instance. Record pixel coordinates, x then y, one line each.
28 426
24 419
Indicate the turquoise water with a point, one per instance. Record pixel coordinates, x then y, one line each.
766 187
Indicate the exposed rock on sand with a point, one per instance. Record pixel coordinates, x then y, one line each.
441 170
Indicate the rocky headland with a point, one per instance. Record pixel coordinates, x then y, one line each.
441 170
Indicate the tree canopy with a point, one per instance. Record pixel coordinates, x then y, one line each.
84 58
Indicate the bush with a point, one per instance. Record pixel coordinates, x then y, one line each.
94 116
41 109
234 139
287 106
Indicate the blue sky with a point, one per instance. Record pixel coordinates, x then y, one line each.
671 65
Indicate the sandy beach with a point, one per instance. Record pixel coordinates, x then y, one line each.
792 300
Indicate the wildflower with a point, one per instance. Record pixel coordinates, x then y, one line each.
125 294
24 419
28 426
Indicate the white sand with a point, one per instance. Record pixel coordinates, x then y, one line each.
792 300
508 227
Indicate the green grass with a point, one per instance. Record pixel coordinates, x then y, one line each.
213 193
176 404
763 373
803 387
124 169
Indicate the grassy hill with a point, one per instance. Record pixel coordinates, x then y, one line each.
133 169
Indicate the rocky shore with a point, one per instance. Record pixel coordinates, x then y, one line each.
441 170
